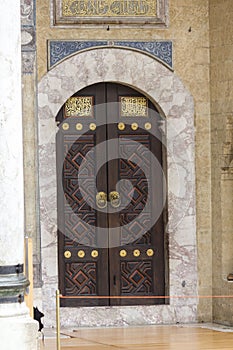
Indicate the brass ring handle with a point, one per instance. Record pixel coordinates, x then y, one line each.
101 200
115 199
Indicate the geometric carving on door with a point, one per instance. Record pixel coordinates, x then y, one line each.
136 277
77 231
76 208
134 229
128 169
80 278
75 151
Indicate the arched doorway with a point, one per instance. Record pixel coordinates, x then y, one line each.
108 254
175 103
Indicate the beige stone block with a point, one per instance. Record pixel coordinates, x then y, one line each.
222 107
226 70
195 3
220 90
202 144
202 123
200 91
205 310
201 73
203 218
202 55
202 109
222 54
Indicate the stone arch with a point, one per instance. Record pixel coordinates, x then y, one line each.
166 90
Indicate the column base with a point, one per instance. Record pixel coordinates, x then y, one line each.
17 329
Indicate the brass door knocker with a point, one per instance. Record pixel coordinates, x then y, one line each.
115 199
101 200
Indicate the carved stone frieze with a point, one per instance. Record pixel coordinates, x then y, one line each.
126 12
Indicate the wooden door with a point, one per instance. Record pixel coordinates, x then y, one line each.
130 270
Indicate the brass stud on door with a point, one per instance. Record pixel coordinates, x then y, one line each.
65 126
94 253
136 252
79 126
92 126
81 253
150 252
123 253
121 126
134 126
147 126
67 254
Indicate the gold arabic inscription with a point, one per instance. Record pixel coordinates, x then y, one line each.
133 106
109 8
79 107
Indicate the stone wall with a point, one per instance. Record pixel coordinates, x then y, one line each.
222 155
188 29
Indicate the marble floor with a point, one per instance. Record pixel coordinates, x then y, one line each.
174 337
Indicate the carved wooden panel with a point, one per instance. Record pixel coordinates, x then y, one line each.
136 278
80 278
76 204
132 171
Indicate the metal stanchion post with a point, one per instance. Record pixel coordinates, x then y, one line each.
58 319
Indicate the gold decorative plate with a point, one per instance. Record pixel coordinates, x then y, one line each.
65 126
67 254
94 253
150 252
134 126
79 126
123 253
81 253
147 126
92 126
121 126
136 252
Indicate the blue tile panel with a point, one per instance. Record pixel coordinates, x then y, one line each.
59 50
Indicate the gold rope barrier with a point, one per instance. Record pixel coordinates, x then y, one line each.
58 319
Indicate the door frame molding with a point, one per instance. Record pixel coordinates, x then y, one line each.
175 103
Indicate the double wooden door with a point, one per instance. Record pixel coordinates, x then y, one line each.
105 255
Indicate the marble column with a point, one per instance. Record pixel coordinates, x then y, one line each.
17 329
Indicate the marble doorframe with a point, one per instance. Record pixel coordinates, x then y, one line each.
175 103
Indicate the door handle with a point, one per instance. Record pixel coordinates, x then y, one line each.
115 199
101 200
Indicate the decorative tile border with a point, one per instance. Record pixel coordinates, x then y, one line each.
59 50
28 35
